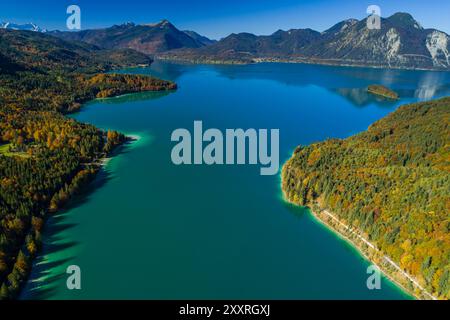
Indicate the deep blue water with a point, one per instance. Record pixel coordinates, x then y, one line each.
150 229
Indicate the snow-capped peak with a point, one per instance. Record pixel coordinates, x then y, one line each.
27 26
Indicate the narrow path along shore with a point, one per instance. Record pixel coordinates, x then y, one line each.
385 257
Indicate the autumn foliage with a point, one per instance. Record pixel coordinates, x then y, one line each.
50 157
391 182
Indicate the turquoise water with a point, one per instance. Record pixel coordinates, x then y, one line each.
148 229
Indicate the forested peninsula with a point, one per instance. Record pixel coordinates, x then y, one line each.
387 190
46 157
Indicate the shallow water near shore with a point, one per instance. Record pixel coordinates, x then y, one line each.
147 229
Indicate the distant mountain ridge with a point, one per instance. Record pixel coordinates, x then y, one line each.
146 38
202 39
22 50
400 43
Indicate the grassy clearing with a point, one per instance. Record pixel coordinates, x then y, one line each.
4 150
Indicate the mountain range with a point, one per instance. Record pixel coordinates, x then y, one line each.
401 42
146 38
31 51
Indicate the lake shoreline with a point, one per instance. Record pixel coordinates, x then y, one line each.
94 166
363 247
330 63
98 164
141 179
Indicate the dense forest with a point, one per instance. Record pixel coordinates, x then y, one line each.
46 157
392 183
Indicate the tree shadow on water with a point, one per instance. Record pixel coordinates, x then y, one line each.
57 253
57 247
45 278
43 289
295 210
49 268
60 227
84 196
136 97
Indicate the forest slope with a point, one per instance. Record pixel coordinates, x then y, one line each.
392 183
44 156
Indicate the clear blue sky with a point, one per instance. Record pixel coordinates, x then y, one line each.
216 18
